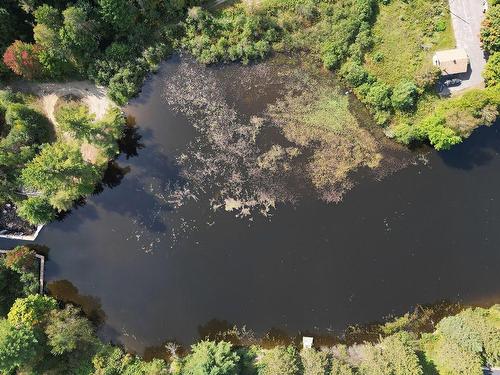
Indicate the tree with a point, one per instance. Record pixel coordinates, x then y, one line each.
48 16
78 35
36 210
31 311
404 95
76 119
490 30
60 173
211 358
21 259
112 361
281 360
120 14
18 345
491 73
394 355
68 331
314 362
22 59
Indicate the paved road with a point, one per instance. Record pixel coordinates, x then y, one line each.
467 16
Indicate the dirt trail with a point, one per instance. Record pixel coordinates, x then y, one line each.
95 97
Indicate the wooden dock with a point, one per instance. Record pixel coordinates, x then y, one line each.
41 275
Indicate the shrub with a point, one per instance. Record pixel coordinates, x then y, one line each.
341 368
211 358
379 95
404 96
428 78
490 30
491 72
354 73
280 360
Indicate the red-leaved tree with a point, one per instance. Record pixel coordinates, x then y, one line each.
22 59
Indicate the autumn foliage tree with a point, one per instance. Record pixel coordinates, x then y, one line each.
22 59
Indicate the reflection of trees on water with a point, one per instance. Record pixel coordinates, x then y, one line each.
65 291
423 318
130 144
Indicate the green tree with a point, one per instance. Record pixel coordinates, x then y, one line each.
404 95
68 331
394 355
36 210
61 174
491 72
490 30
112 361
48 16
283 360
31 311
18 346
211 358
79 36
314 362
120 14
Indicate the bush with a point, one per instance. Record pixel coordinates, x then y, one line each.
354 73
404 96
490 30
379 95
211 358
491 72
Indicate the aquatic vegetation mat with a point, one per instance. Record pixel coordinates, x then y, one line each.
271 133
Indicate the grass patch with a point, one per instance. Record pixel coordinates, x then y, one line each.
406 36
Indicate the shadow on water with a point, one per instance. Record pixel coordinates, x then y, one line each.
478 150
65 291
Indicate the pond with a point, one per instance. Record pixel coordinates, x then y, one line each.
153 270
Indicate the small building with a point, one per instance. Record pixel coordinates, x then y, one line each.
307 342
451 61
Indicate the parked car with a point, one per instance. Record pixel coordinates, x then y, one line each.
453 82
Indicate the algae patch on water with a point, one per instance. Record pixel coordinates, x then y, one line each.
269 134
320 117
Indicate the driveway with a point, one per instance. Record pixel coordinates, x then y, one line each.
467 16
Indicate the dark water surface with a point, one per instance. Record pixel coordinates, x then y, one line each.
152 273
